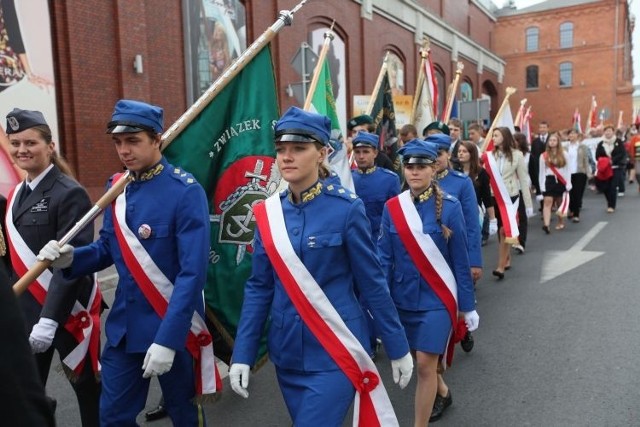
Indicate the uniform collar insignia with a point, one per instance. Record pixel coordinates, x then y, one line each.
308 194
424 196
442 174
150 173
367 171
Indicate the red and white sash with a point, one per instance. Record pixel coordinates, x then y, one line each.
508 209
157 289
427 258
564 204
372 405
83 325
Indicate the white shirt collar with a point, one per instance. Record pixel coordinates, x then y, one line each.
33 184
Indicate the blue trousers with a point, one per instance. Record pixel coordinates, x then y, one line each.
124 391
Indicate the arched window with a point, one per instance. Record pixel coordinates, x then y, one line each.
532 77
532 35
395 66
466 91
566 74
566 35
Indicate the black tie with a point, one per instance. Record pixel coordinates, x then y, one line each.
26 190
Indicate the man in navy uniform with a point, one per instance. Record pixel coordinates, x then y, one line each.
172 233
364 123
373 185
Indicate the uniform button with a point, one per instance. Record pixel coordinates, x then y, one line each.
33 220
325 242
295 231
297 317
130 208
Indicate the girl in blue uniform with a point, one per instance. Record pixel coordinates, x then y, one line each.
423 313
329 232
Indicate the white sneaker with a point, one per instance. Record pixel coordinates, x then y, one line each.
620 194
519 248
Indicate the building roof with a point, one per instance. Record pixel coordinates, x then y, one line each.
541 7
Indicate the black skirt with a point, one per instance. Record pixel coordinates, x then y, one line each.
553 188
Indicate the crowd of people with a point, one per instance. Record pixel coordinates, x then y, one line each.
418 220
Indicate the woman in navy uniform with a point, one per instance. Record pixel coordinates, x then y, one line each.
327 228
174 233
422 306
45 207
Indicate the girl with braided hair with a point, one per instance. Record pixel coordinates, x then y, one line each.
423 249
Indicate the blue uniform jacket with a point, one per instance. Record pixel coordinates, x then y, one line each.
409 290
330 234
460 186
375 186
174 205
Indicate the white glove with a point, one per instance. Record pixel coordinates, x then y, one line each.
158 360
239 378
539 198
60 257
530 212
402 369
42 335
472 320
493 226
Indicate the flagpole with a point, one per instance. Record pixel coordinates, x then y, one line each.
376 88
509 91
422 81
328 38
454 88
40 266
285 19
518 119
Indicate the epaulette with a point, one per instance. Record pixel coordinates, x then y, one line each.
457 173
385 170
339 191
448 197
183 176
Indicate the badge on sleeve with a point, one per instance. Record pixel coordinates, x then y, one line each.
144 231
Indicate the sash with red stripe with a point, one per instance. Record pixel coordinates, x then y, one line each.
372 406
157 289
564 204
427 258
508 208
83 325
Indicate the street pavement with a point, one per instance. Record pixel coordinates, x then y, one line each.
557 343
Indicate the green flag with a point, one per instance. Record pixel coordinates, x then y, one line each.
384 119
229 149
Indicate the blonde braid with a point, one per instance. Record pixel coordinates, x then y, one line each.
446 231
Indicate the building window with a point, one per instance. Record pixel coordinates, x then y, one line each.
566 35
532 77
442 88
532 39
566 74
395 66
466 92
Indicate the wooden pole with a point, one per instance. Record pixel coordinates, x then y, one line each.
509 91
376 88
452 93
518 119
328 37
36 270
421 83
285 18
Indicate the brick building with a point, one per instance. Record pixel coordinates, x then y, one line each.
561 52
103 50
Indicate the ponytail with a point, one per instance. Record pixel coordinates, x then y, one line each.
446 231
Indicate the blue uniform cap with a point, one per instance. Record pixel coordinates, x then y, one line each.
442 141
418 151
366 139
135 116
438 126
19 120
298 125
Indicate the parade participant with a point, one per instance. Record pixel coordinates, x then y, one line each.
555 182
159 246
364 123
436 127
60 313
455 129
578 162
423 249
538 146
523 221
510 166
372 184
613 148
311 243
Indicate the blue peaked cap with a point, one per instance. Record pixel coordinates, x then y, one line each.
135 116
303 126
418 151
441 140
366 139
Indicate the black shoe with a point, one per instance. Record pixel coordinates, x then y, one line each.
546 229
484 242
467 342
498 274
156 414
439 406
53 403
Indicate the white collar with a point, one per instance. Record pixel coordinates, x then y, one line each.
34 183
